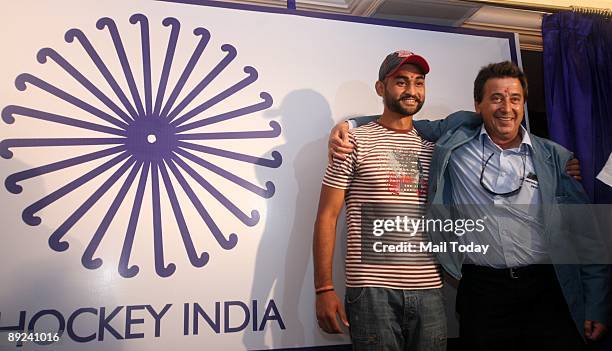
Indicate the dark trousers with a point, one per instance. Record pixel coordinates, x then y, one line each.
520 310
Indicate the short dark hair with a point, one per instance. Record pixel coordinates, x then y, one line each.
505 69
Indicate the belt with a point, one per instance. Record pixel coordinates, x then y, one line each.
534 270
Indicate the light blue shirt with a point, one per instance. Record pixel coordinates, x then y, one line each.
512 223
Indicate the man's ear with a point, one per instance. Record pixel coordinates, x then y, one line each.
476 106
380 88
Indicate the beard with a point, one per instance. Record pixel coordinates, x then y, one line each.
395 105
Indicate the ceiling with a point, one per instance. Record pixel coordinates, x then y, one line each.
520 16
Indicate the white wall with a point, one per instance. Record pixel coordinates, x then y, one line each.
318 71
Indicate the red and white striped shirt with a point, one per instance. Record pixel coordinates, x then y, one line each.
388 172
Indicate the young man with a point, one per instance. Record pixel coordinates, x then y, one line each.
512 299
393 303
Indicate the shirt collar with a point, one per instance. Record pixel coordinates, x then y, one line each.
526 138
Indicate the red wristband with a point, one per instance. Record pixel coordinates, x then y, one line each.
324 288
321 291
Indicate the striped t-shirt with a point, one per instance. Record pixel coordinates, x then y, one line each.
387 174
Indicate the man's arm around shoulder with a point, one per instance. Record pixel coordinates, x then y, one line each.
433 130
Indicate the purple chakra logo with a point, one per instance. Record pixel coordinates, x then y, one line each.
147 140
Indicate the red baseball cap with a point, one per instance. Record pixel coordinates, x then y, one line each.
395 60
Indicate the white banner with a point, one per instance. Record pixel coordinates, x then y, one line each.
162 164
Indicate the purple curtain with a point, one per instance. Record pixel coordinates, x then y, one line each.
578 91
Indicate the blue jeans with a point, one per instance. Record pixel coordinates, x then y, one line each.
393 319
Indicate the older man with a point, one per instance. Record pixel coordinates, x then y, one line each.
511 299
